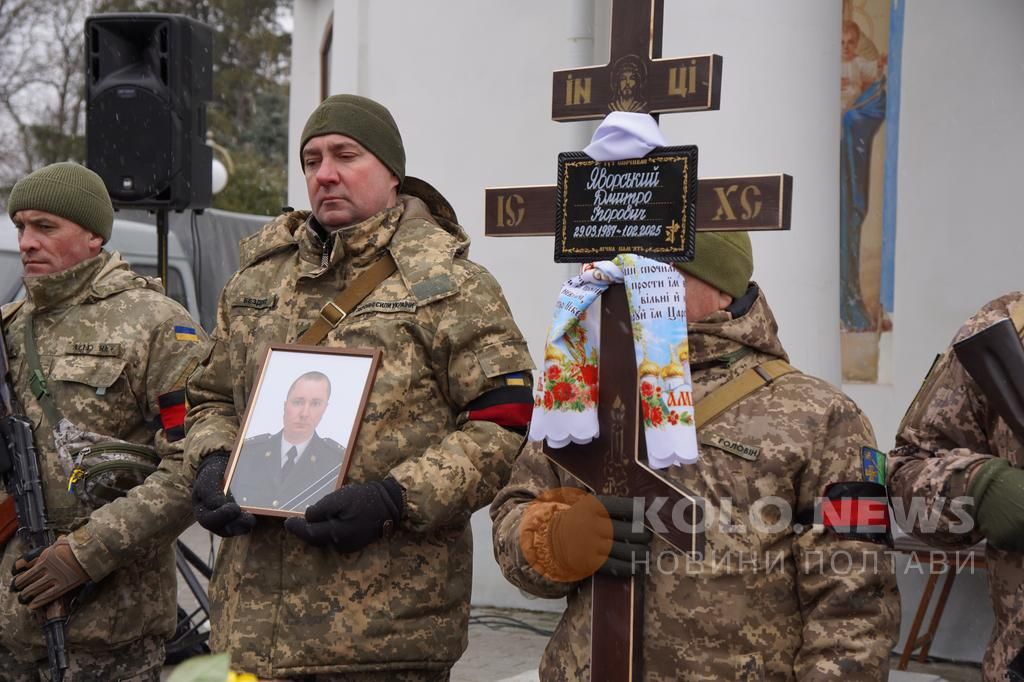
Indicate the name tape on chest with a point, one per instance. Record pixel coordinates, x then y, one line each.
741 450
94 348
385 307
258 302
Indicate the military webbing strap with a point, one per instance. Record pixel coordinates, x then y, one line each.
1017 316
37 380
336 310
728 394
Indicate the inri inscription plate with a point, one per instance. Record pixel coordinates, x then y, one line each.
644 206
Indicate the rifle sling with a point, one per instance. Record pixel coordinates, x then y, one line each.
337 309
1017 316
37 380
731 392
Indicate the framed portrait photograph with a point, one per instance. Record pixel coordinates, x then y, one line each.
300 426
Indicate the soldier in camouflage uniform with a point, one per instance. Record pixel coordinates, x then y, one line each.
952 444
374 581
787 598
114 353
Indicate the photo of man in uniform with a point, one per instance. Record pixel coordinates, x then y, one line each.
291 469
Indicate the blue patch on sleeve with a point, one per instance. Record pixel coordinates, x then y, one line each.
874 465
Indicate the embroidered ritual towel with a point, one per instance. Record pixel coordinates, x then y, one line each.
565 405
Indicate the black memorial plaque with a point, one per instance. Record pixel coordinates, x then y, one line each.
644 206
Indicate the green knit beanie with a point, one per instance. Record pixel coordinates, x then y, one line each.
365 121
68 190
725 260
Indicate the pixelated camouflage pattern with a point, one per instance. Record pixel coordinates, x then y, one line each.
107 345
284 608
710 619
949 430
140 661
376 676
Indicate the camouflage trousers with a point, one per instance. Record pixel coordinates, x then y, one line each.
381 676
139 661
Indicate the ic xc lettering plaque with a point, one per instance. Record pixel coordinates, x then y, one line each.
644 206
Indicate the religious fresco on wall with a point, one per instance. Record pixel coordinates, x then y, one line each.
872 38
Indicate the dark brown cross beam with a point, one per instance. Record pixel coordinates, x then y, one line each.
751 203
616 463
635 79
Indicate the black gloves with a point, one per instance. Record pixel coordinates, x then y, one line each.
215 511
349 518
352 516
580 537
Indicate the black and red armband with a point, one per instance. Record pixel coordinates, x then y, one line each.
172 414
509 406
856 510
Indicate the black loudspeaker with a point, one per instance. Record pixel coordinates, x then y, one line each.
149 78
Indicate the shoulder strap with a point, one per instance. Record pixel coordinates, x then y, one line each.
728 394
11 309
336 310
1017 316
37 380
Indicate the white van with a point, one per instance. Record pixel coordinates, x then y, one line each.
137 244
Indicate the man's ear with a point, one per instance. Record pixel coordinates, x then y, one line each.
724 300
95 243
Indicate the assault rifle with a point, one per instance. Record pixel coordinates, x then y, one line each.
19 469
994 357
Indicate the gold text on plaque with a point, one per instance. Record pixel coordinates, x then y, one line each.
577 90
510 210
682 80
750 202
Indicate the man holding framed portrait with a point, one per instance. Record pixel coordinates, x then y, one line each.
372 581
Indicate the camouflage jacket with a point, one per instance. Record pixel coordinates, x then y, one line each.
284 608
767 601
948 431
109 348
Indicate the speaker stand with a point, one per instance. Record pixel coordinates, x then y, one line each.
161 245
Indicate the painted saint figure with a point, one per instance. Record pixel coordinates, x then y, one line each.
863 97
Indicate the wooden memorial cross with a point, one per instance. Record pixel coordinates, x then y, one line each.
636 79
615 463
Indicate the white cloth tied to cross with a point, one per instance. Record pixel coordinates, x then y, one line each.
565 406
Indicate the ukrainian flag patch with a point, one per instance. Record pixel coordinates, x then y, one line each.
874 465
185 334
515 379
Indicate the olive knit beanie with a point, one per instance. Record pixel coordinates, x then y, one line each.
365 121
725 260
68 190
